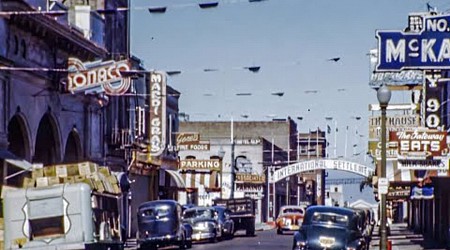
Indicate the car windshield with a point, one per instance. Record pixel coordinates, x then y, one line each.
330 218
156 211
293 210
198 214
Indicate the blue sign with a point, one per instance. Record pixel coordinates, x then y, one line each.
427 49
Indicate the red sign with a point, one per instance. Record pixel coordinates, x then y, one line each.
420 143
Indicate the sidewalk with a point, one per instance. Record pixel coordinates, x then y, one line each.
401 237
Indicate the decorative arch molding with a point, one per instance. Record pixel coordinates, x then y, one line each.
326 164
48 149
73 150
18 126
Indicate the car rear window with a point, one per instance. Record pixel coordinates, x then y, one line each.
329 218
293 210
155 212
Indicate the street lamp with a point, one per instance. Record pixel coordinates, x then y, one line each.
221 154
384 96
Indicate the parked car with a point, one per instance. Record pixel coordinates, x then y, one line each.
327 227
290 218
226 224
160 224
204 222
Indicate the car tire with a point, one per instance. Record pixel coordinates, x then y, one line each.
183 243
279 231
250 231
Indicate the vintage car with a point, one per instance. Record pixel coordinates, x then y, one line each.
204 222
160 224
226 224
290 218
326 227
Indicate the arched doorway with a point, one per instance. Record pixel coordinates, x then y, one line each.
18 140
73 148
47 146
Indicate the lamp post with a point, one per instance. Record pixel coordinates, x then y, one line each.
221 154
384 96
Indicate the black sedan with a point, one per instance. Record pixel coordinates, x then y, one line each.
226 224
326 227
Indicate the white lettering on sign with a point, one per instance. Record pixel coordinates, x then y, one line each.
85 76
420 143
396 52
157 110
319 164
194 164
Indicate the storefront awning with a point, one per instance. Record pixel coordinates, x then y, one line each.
177 178
197 179
418 193
13 160
394 174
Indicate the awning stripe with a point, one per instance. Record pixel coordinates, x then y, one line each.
195 180
177 178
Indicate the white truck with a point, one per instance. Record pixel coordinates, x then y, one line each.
64 216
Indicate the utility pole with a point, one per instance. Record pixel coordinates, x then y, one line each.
233 162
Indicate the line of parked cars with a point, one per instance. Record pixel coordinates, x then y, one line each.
328 227
164 223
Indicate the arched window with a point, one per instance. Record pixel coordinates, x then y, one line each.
190 157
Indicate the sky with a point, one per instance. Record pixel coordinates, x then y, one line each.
291 41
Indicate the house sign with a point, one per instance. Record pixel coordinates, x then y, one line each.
428 48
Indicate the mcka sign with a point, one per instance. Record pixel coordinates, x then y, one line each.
424 48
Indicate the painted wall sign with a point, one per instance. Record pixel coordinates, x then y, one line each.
427 49
400 78
194 164
247 141
187 138
98 77
250 178
157 130
375 150
393 123
420 144
305 166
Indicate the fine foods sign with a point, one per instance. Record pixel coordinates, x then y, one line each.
98 77
420 144
157 112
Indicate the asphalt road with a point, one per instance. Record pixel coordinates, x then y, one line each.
263 240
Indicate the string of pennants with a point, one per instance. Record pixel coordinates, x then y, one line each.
151 9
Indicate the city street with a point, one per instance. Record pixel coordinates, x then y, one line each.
263 240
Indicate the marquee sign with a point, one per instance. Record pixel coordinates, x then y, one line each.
425 46
157 129
420 144
98 77
329 164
